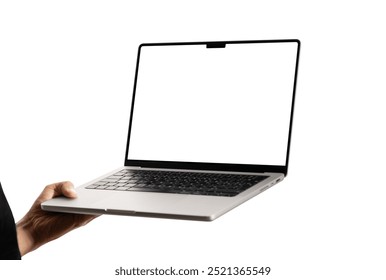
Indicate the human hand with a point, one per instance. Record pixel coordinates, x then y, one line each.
38 227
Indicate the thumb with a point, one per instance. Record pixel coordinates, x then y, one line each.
57 189
67 189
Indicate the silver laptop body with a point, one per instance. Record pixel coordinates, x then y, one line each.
198 109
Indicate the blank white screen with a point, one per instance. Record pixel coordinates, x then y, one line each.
214 105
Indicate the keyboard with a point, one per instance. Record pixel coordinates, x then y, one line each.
195 183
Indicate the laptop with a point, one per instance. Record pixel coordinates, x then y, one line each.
210 128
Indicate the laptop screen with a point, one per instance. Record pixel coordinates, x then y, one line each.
221 103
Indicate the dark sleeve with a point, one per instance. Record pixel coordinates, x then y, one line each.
9 249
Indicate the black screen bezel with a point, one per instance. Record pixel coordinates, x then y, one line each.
213 166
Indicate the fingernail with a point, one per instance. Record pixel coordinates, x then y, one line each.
72 192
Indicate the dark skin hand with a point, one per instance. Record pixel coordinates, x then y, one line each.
38 227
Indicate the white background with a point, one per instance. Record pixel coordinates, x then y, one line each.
66 74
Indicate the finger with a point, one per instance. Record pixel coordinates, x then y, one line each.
57 189
67 189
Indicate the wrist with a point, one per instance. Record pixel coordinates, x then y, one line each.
24 239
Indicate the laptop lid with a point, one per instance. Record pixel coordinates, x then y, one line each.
213 105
